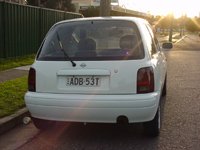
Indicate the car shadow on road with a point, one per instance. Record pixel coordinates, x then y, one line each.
96 136
99 136
162 109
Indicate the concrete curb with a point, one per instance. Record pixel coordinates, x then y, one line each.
13 120
180 39
174 39
9 122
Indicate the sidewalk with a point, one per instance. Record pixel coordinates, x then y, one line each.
9 122
175 38
13 73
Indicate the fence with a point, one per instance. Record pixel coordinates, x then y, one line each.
22 28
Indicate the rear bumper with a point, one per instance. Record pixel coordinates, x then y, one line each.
92 108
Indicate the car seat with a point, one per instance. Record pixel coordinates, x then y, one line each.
86 47
131 44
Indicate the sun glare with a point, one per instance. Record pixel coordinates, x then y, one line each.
179 8
159 7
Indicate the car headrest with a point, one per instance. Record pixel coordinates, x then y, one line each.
87 44
128 42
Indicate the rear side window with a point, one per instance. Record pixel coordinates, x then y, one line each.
156 47
93 40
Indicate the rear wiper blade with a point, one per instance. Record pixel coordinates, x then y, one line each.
62 49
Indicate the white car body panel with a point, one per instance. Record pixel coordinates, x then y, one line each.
115 96
112 75
92 108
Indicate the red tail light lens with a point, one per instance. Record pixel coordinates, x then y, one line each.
32 80
145 80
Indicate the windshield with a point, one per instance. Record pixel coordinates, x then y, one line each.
93 40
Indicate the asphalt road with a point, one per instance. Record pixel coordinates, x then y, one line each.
180 117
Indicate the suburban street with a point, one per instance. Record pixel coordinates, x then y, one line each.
180 117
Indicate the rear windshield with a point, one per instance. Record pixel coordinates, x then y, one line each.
92 40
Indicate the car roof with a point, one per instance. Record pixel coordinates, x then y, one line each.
133 19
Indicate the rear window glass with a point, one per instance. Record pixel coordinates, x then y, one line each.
93 40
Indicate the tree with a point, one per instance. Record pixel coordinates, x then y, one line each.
91 12
193 24
33 2
65 5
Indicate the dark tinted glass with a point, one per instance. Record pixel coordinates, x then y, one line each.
93 40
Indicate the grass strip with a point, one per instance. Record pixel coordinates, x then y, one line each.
9 63
12 95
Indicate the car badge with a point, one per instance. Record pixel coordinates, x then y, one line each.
83 65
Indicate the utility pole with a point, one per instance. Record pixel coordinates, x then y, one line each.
39 3
105 7
171 28
181 26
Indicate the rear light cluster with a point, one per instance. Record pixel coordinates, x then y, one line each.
32 80
145 80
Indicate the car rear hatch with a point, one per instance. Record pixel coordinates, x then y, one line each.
119 77
105 57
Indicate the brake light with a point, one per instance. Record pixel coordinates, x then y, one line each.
32 80
145 80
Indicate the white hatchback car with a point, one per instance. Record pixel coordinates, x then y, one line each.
98 70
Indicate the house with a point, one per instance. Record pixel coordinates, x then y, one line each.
84 4
17 1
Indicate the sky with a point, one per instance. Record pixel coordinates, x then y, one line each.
163 7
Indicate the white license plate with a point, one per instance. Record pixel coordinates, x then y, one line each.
89 81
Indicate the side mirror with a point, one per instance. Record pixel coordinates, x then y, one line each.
167 45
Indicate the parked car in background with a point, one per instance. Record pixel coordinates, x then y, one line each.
98 70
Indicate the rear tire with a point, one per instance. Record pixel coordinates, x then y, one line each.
164 90
42 124
152 128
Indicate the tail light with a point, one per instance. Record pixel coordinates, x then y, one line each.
145 80
32 80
